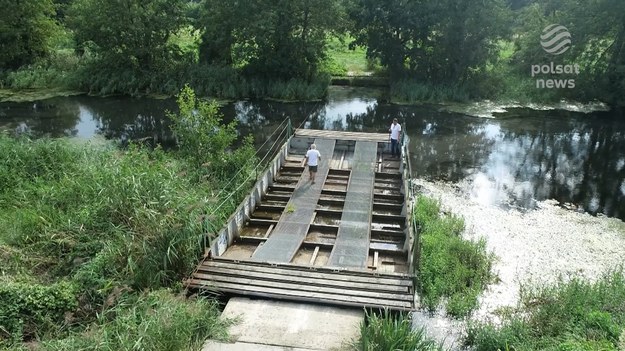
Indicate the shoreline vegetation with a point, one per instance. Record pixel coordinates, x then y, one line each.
424 52
95 240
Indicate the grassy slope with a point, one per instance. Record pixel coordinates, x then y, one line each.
100 235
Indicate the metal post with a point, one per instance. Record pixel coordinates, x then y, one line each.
289 128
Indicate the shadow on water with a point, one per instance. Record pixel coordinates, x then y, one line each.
515 159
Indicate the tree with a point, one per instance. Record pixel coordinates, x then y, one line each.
597 31
132 33
207 142
280 39
436 41
26 27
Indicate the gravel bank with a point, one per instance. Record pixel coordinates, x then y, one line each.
533 246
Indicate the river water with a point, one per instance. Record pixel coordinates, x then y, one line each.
545 186
508 156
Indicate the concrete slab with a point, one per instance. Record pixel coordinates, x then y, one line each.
292 325
211 345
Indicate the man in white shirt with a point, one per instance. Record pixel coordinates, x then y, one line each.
395 131
312 160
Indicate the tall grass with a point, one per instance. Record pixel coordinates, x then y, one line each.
156 320
451 268
111 223
386 331
570 315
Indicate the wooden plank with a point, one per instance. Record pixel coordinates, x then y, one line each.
375 260
331 134
314 256
309 280
268 231
320 297
342 159
368 278
302 287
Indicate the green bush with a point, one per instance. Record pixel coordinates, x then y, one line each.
30 311
386 331
207 143
450 266
569 315
156 320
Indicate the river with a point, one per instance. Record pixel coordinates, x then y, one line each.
511 156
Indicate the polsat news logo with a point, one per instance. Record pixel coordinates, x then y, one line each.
555 40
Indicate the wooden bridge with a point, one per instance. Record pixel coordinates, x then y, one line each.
345 240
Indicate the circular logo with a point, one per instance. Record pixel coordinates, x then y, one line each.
555 39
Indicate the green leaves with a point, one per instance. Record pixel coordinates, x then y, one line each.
432 41
450 267
26 27
207 142
128 33
33 308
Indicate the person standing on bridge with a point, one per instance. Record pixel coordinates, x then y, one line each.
312 160
395 131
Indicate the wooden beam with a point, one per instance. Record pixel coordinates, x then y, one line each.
340 275
375 260
305 280
314 256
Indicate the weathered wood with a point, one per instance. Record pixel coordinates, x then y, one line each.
331 134
302 287
386 288
302 295
314 256
320 272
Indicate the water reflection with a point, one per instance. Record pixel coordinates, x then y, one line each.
517 158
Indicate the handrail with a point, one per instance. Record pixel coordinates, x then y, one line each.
254 173
415 248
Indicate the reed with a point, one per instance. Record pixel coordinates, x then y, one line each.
452 269
388 331
572 314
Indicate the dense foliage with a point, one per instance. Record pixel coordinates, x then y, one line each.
430 50
26 27
570 315
450 268
85 230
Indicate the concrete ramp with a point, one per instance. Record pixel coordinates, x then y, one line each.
278 325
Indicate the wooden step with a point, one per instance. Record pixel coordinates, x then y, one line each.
290 282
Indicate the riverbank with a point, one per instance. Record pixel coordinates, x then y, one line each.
533 247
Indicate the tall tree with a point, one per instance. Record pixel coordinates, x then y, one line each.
132 33
430 40
26 27
597 30
279 39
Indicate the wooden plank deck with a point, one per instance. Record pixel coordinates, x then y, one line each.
297 283
351 248
292 227
338 135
